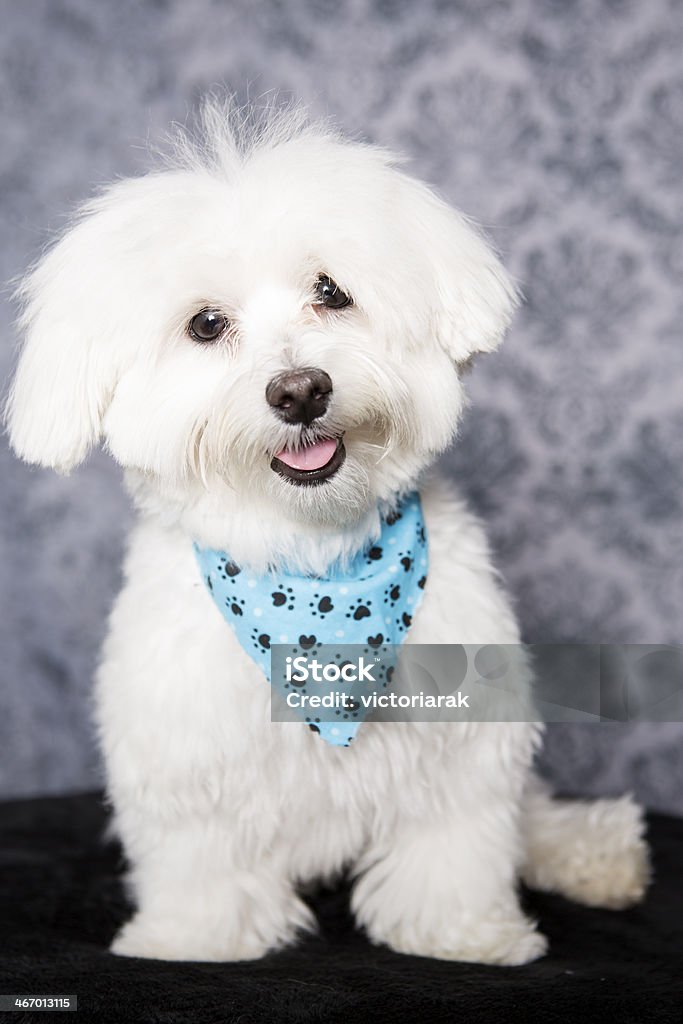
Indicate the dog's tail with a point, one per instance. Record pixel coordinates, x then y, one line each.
592 851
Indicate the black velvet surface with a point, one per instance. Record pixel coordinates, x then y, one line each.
61 901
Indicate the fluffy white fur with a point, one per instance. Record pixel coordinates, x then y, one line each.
221 811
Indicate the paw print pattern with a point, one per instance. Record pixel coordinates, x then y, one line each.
392 595
229 569
284 596
321 605
236 605
261 641
359 610
403 622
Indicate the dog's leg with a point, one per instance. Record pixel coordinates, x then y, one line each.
440 892
592 851
445 884
194 905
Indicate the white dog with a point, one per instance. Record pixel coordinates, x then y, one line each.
269 334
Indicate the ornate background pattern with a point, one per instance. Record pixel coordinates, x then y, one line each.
558 124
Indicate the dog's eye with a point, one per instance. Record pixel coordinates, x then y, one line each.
330 295
207 325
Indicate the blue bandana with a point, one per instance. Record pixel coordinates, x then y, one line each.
370 603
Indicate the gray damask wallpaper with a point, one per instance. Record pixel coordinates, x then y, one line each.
558 124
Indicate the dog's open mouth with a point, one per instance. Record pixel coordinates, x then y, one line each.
313 464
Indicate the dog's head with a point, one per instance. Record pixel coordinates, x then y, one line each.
285 315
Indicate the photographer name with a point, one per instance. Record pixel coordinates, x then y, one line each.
378 700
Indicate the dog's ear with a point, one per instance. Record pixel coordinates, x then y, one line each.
67 367
472 297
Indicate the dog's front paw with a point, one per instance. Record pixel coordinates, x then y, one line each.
156 939
507 943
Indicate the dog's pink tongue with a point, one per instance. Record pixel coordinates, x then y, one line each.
315 456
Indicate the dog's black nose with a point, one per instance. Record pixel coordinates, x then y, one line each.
300 396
